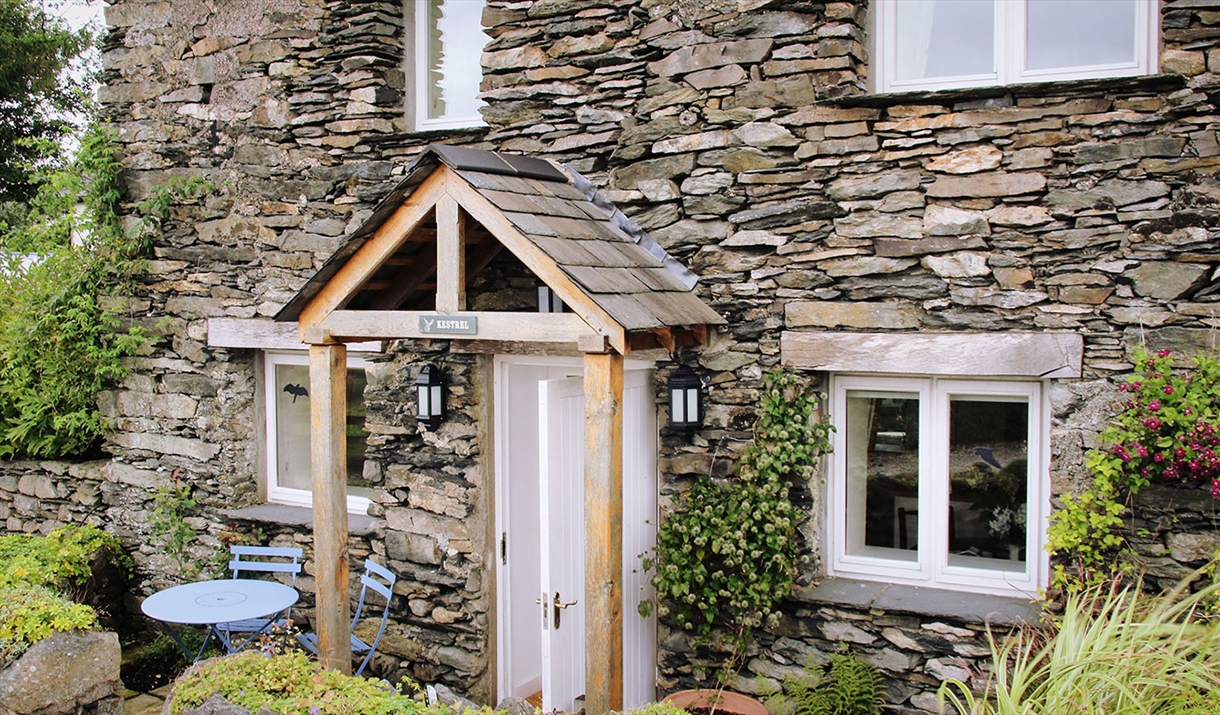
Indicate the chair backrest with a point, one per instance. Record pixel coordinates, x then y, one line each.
380 580
262 558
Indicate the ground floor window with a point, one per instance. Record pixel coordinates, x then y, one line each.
286 387
939 482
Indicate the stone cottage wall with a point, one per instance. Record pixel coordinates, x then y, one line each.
741 134
744 137
293 110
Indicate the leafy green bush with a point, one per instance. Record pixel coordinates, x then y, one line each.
1112 652
29 614
58 346
849 686
290 684
57 560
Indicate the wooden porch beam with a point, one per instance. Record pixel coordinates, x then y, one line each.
450 256
603 533
379 249
328 461
536 260
358 325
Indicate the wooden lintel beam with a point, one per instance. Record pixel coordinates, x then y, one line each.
328 466
603 383
353 325
378 249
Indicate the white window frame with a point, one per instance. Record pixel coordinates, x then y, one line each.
287 495
422 25
1010 28
930 567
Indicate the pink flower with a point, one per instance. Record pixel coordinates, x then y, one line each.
1162 353
1215 488
1154 405
1152 423
1141 450
1168 389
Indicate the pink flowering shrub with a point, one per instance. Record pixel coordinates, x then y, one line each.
1170 428
1168 431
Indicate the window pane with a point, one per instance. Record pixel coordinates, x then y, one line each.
882 440
292 428
1079 33
455 43
944 38
988 482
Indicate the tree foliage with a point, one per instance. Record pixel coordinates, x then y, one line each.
37 93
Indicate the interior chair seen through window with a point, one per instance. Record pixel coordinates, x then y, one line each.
262 559
379 580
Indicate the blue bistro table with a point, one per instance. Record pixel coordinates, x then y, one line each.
210 603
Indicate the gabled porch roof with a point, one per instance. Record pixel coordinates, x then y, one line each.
611 274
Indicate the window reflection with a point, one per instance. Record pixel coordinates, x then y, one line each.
988 481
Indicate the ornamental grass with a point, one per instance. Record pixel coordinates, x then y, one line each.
1113 651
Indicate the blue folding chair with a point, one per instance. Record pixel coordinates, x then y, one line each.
380 580
261 559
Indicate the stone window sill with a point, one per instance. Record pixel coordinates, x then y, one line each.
973 608
1155 83
298 516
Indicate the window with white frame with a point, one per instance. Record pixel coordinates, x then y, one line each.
944 44
286 387
449 43
939 482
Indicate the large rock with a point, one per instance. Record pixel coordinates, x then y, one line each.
62 674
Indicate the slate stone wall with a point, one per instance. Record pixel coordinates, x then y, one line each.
741 134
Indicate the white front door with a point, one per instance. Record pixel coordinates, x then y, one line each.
561 450
540 510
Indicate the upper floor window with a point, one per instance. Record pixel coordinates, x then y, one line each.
449 43
286 384
939 482
944 44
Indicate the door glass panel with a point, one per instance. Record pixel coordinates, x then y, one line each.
988 481
1079 33
292 429
882 441
944 38
454 47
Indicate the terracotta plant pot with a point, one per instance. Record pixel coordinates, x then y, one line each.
727 702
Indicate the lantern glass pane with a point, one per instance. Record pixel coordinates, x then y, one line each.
692 404
434 404
421 400
677 406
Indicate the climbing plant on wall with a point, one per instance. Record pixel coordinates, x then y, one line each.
1168 431
59 342
727 555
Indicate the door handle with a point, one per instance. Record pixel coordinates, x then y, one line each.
557 606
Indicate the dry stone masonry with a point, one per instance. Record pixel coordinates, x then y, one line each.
742 134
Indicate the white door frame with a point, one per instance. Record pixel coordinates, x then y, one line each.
644 666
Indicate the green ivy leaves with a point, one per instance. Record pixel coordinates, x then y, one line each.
727 554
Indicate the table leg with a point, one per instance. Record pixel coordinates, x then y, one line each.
193 657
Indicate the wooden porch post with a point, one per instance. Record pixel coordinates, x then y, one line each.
603 533
328 456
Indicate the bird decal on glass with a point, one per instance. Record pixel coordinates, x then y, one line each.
988 456
296 391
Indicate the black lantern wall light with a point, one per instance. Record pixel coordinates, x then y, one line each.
430 397
685 402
